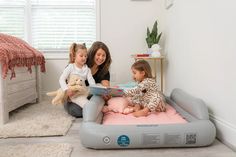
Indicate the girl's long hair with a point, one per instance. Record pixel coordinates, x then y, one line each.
142 65
74 49
104 67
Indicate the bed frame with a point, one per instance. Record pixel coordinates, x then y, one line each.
198 131
15 92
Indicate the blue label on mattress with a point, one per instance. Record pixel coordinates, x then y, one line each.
123 141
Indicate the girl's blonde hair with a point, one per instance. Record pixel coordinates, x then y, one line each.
142 65
74 49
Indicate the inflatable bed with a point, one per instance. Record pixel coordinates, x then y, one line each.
185 124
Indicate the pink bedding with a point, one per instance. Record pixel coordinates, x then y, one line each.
168 117
14 52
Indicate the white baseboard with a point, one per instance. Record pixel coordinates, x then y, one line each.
225 131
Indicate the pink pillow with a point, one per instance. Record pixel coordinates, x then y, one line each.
117 104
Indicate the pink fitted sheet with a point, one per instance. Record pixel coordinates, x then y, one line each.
168 117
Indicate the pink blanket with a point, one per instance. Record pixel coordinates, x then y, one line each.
168 117
16 52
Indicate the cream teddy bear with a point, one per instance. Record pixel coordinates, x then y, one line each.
76 84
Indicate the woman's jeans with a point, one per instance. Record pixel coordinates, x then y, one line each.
73 109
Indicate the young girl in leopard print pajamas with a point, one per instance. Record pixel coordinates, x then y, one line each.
145 97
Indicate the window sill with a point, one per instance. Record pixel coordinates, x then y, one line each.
56 56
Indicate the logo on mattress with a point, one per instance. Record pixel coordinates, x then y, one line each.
123 141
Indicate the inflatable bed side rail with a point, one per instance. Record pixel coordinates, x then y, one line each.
92 110
190 104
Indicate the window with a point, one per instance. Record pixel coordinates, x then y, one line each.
52 25
56 24
12 17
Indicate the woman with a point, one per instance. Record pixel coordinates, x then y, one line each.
99 61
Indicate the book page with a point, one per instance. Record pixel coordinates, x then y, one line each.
101 90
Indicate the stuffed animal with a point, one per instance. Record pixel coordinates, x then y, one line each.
76 84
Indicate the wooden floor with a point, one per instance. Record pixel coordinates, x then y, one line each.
72 137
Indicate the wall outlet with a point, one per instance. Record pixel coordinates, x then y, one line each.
169 3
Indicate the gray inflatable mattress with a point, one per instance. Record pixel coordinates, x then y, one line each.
198 131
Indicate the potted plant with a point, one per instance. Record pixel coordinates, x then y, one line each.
153 37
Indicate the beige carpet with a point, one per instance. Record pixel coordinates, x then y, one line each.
36 150
42 119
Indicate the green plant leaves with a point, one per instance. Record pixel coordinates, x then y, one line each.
158 38
153 37
148 32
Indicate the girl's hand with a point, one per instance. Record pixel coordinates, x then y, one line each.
70 93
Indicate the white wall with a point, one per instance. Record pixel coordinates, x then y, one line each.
50 80
200 46
123 28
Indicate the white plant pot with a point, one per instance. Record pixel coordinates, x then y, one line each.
156 54
156 50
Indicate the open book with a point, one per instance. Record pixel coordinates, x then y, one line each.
101 90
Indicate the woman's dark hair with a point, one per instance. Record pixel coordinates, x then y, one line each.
104 67
142 65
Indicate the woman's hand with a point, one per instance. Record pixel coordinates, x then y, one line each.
105 83
106 97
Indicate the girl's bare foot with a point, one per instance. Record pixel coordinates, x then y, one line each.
137 108
141 113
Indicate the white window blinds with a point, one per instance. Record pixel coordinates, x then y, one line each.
50 25
56 24
12 17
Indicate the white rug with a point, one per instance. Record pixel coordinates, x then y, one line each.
36 150
41 119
